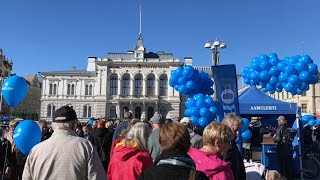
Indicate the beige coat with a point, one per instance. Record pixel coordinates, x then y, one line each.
63 156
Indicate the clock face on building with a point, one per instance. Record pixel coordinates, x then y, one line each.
139 55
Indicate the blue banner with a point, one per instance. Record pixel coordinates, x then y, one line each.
226 89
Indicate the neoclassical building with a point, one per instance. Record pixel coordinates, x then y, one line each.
134 81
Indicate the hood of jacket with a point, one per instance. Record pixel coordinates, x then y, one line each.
208 163
123 153
100 132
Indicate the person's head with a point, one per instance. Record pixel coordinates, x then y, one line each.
168 120
108 124
43 125
127 116
139 133
174 137
217 136
273 175
64 118
12 125
157 120
87 128
234 123
282 121
101 124
176 119
186 121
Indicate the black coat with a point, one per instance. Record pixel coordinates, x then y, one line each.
101 138
235 158
170 171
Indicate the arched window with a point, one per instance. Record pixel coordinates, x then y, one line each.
137 112
70 89
126 84
90 89
114 84
163 85
150 112
55 89
50 110
163 112
138 84
113 113
86 111
51 89
150 85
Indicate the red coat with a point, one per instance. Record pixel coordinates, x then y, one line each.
127 163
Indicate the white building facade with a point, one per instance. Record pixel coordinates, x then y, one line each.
136 81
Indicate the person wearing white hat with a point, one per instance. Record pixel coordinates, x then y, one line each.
193 136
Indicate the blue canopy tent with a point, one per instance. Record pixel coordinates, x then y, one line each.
255 103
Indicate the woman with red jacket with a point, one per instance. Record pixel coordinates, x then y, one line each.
130 156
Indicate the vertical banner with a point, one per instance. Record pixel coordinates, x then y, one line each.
226 89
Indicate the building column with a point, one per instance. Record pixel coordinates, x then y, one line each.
143 111
131 86
119 86
157 87
117 110
144 89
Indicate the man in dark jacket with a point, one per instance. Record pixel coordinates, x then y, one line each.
5 155
233 155
122 126
284 147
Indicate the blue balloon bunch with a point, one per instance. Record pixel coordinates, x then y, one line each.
246 134
201 109
309 120
189 81
293 74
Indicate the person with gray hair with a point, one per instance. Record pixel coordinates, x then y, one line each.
153 144
127 118
233 155
131 155
64 155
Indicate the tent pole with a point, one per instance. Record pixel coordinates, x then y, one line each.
298 131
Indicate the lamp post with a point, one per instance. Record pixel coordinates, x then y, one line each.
214 46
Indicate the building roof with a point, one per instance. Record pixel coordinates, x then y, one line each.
70 73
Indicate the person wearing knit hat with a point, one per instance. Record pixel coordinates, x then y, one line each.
153 142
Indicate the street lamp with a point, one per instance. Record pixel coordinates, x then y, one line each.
214 46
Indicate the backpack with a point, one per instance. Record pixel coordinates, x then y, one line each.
102 154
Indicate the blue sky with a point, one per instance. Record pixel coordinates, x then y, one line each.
51 35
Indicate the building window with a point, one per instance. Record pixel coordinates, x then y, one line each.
163 112
150 112
52 89
88 89
0 72
114 84
138 84
126 84
113 112
87 111
51 109
151 85
137 112
304 108
163 87
304 93
70 90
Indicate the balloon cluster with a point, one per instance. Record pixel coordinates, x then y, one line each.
189 81
201 109
293 74
309 120
246 134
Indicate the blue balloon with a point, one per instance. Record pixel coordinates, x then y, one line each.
195 120
292 60
313 79
281 65
312 123
190 103
204 112
246 123
306 59
189 67
90 121
179 71
289 69
182 89
203 122
274 71
301 66
191 85
283 77
210 101
273 80
255 66
318 121
14 90
304 76
210 91
182 80
187 112
255 60
246 135
288 87
274 61
304 120
265 65
264 57
214 110
273 55
201 103
264 75
26 135
194 111
254 75
312 68
199 96
293 79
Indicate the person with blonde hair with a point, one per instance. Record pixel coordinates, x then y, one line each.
234 156
273 175
130 156
209 159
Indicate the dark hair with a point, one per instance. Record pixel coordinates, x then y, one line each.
127 115
174 137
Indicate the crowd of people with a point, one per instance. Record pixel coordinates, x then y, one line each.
131 149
